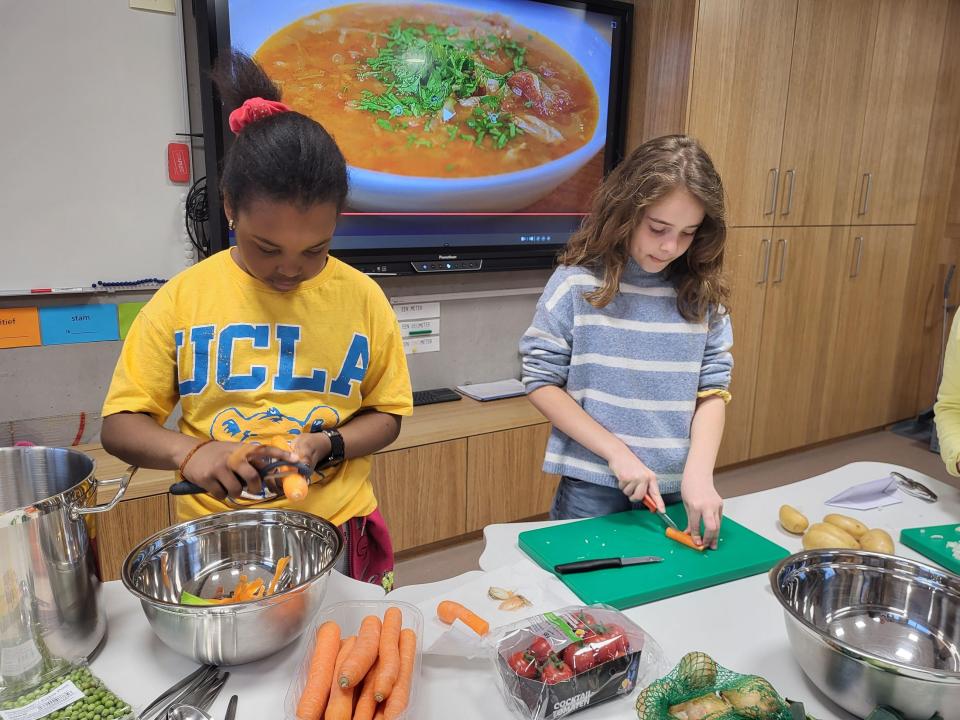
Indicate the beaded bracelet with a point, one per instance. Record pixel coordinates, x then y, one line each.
189 455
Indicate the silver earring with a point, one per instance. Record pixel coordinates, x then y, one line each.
231 224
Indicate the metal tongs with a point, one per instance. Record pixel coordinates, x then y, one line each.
199 687
914 487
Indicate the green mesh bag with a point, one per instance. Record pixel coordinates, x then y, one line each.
700 689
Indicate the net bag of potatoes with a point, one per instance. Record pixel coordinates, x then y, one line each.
700 689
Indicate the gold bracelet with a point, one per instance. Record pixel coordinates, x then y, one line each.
189 455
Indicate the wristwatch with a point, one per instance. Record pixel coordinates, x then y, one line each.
336 455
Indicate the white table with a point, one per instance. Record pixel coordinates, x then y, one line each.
739 623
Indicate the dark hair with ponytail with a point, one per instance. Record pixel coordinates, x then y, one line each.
287 157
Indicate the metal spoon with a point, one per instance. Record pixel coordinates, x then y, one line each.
914 487
187 712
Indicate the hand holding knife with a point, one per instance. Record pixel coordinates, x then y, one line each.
652 507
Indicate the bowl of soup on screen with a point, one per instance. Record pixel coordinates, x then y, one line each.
440 106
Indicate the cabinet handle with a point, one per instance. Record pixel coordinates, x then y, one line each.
764 261
782 271
772 190
857 256
865 192
791 176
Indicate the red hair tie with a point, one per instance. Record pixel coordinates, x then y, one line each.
252 110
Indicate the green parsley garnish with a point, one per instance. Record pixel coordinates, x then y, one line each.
422 69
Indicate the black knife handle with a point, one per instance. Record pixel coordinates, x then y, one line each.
587 565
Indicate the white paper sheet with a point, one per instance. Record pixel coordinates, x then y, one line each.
868 495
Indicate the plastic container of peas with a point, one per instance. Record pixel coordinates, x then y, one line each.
72 693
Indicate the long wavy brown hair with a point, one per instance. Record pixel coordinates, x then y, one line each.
654 169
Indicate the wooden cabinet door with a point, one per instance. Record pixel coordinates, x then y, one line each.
825 109
861 372
747 266
121 529
504 476
799 319
421 492
738 98
902 85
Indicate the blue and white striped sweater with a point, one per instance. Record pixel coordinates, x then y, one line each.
636 366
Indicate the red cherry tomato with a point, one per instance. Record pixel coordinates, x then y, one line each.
580 658
524 664
540 648
610 645
556 671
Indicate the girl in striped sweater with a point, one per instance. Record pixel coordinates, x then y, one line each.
628 354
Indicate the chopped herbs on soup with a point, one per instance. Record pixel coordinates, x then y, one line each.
401 88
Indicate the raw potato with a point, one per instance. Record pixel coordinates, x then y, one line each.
845 522
877 540
706 707
697 670
754 698
793 520
824 535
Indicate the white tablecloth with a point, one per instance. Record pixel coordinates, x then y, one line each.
739 623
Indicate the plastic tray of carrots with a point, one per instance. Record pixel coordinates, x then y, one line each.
361 662
557 663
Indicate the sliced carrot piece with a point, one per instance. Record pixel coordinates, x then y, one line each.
684 539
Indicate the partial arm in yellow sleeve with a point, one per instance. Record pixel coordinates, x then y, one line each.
947 408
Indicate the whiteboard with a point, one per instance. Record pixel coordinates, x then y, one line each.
91 93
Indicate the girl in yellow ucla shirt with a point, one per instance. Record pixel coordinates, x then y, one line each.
273 337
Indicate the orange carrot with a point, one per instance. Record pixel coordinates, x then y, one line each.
340 705
364 653
684 538
313 700
448 611
367 703
389 661
400 697
295 486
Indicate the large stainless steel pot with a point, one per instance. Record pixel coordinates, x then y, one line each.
49 591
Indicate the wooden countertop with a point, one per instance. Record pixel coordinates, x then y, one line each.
428 424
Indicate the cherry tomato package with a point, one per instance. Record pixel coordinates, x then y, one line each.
554 664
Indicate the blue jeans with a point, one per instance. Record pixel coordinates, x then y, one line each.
581 499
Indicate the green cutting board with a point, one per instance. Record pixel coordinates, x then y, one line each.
741 553
931 542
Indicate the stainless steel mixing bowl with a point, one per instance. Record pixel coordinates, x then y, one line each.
209 554
871 629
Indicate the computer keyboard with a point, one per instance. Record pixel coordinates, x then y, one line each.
437 395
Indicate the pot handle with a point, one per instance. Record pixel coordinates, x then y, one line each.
123 483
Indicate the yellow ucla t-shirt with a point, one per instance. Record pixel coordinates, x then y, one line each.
248 362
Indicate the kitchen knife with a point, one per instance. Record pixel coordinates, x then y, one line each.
604 563
652 507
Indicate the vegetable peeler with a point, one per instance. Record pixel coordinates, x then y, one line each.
185 487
